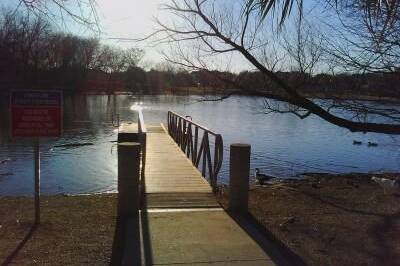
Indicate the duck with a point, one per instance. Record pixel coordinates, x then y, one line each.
5 161
261 178
356 142
390 186
372 144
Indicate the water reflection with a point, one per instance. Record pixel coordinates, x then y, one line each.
281 144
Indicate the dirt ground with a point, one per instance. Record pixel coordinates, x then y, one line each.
331 220
325 219
73 231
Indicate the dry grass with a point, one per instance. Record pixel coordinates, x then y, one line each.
73 231
332 220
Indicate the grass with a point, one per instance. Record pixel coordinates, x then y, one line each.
74 230
331 220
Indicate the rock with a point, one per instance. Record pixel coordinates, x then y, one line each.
315 185
289 220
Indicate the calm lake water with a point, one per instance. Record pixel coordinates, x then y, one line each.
282 144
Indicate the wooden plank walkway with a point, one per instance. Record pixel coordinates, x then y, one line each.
185 223
171 180
181 222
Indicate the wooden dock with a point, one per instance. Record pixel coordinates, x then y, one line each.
180 221
171 180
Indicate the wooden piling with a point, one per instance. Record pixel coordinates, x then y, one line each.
128 178
239 177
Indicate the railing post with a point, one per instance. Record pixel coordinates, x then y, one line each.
143 142
196 141
128 178
204 163
239 177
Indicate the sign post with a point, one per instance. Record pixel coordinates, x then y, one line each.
36 150
36 114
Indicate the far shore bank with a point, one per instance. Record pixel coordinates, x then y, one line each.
222 93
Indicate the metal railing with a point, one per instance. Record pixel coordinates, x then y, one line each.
142 131
141 125
194 140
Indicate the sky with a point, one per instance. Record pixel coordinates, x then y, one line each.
130 19
117 19
136 19
133 19
123 18
126 19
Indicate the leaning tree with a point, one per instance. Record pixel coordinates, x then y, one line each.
203 33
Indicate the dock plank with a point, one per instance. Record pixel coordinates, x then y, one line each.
169 171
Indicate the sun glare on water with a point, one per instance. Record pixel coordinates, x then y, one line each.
137 107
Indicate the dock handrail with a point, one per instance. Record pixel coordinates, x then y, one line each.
142 131
141 125
186 134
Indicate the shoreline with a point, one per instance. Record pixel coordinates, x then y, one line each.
301 177
219 92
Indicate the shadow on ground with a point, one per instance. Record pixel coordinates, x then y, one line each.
275 249
18 248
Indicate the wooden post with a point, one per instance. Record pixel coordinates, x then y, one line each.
239 177
128 178
36 149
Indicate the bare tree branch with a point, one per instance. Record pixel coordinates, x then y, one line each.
209 38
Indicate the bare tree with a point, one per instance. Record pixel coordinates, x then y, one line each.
207 29
367 42
90 49
133 56
22 39
112 59
282 9
60 12
368 33
303 47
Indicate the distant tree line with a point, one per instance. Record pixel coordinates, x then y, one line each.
344 85
32 55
